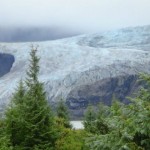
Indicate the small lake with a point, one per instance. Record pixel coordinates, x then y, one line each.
77 124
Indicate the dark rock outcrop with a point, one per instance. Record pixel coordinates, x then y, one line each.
104 91
6 62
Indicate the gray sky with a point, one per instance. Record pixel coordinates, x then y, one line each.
84 15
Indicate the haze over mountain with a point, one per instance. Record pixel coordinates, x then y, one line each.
32 20
72 16
30 34
85 69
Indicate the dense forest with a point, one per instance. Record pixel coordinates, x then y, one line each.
30 124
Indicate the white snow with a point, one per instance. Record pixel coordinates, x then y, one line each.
82 60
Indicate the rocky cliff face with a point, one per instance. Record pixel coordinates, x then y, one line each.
102 91
84 69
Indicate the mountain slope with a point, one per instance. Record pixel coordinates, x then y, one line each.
83 69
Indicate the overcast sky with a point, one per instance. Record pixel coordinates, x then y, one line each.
84 15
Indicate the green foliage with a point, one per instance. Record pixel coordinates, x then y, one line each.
94 121
89 120
4 139
29 120
71 140
129 125
62 112
101 126
4 143
14 116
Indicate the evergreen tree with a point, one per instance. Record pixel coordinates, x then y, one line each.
101 126
129 125
38 116
29 118
89 120
62 113
19 95
4 138
14 116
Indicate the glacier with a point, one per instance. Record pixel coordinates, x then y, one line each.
83 70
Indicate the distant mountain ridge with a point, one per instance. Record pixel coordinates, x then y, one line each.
32 34
85 69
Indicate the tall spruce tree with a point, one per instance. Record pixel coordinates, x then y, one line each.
29 119
38 116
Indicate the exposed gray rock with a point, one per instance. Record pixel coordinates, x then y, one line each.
102 91
6 62
84 69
